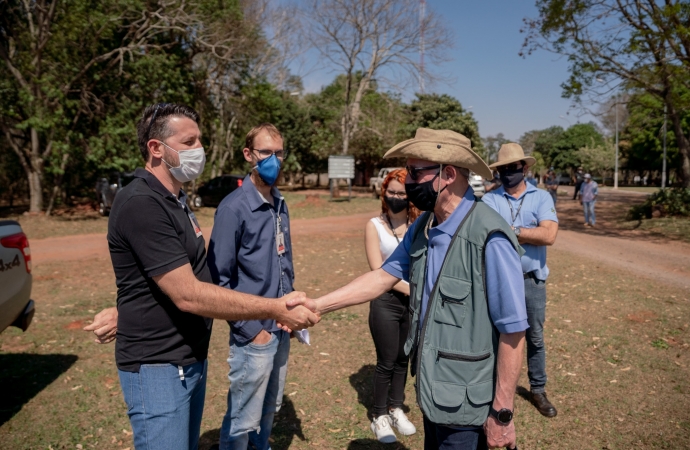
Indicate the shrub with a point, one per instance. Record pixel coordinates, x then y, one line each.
666 202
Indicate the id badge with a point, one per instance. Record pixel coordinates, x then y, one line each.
195 224
280 243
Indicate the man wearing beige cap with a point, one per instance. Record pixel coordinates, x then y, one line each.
467 304
531 214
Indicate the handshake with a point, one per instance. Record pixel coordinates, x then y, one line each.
292 312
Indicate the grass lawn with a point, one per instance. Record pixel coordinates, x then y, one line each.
644 189
617 363
677 228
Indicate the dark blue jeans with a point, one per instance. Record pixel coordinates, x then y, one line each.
438 437
535 299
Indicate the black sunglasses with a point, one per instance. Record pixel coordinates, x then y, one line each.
153 119
414 171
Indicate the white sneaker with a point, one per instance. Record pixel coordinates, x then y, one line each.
381 426
400 421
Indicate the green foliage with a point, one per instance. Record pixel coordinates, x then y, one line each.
669 202
441 112
598 158
560 148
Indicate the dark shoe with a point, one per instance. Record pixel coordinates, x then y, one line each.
543 404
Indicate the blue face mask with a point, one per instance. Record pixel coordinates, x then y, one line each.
269 169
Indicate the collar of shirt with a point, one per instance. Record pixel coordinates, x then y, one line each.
450 225
157 187
255 198
502 191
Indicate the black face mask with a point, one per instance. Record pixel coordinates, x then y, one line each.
511 178
395 204
423 195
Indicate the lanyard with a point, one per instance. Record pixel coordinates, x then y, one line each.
390 224
510 204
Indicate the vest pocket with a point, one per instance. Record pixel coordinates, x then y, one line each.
452 308
448 395
481 393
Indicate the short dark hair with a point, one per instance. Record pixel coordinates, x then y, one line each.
154 123
254 132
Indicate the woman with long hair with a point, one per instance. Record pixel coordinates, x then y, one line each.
389 316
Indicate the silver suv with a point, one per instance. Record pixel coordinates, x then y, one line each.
16 306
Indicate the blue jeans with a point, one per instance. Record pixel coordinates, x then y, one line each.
589 212
165 411
439 437
535 300
257 379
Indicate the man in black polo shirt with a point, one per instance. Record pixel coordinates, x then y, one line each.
165 293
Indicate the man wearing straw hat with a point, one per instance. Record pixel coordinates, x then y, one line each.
531 214
467 304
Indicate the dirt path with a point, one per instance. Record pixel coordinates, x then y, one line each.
641 254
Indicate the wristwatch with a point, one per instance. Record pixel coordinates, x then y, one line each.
504 416
517 231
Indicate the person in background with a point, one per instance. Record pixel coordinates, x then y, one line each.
552 186
494 183
578 182
531 180
531 215
588 198
389 318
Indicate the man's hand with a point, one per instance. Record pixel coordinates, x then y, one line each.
499 435
298 313
263 338
104 326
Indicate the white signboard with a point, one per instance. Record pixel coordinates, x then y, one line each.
341 166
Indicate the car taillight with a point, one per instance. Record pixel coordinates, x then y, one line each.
19 241
239 183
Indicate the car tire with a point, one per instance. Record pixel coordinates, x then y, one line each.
197 202
374 192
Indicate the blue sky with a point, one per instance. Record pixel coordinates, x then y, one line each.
508 94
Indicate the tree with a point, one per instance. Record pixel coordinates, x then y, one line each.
492 145
559 147
634 44
371 41
599 158
441 112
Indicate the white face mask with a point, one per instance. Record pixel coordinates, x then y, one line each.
192 163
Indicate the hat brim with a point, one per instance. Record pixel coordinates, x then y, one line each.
449 153
530 161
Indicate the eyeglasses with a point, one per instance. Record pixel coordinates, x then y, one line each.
414 171
263 154
510 167
153 119
399 194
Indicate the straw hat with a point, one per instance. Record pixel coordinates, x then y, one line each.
443 147
512 153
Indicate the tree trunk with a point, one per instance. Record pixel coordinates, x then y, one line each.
683 148
35 192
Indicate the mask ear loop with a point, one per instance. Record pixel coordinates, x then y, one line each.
438 190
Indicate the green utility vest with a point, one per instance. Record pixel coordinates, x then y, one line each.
454 354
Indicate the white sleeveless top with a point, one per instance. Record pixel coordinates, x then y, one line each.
387 242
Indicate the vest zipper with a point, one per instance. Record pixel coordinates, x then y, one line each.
456 357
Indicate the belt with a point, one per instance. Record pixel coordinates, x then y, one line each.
531 274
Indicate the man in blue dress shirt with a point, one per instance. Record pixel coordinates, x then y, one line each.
532 215
250 251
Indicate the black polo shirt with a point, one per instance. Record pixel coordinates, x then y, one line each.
149 234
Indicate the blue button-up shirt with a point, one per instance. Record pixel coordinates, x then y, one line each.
242 252
505 286
537 206
589 191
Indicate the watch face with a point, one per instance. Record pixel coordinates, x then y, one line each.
505 416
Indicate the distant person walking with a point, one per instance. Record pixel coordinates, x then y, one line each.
552 186
578 182
531 180
531 215
588 198
389 318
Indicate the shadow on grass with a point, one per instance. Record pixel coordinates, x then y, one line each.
369 444
363 383
24 375
522 392
286 426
